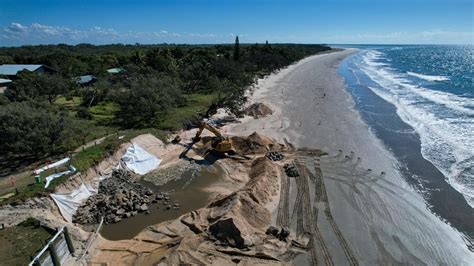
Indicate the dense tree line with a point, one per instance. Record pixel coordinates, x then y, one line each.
156 81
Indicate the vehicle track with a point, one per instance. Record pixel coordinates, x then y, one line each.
305 209
342 241
297 208
324 250
316 180
283 216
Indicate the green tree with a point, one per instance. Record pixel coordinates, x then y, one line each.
161 60
31 86
147 100
109 60
137 57
96 93
31 128
237 49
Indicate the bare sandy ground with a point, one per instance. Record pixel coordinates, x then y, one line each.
381 218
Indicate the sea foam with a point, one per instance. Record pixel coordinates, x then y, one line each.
443 121
428 77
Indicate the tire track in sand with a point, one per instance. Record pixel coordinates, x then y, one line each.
342 241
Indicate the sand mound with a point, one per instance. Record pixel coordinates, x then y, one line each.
150 143
262 184
258 110
252 144
231 226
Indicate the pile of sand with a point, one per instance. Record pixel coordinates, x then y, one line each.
262 184
230 227
258 110
254 144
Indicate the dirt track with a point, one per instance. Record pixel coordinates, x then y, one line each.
305 213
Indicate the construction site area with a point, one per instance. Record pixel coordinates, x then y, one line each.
203 197
280 185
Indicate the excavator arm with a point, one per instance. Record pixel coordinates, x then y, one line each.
203 126
220 144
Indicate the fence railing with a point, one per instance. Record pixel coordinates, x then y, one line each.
56 251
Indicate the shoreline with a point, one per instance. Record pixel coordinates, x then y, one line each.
389 221
441 197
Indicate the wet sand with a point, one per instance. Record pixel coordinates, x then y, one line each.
383 220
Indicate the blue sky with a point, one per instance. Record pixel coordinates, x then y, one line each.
210 21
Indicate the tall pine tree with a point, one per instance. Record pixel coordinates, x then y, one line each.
236 49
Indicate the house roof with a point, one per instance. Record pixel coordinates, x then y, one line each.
85 79
11 70
115 70
3 81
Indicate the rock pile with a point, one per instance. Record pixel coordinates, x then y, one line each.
274 156
291 170
281 234
119 197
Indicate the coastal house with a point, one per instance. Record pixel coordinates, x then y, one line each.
11 70
86 80
116 70
4 83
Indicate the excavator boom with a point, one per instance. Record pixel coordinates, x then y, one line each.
203 126
221 143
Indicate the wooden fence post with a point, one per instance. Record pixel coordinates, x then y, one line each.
54 255
68 241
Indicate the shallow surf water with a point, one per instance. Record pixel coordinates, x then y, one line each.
423 112
187 190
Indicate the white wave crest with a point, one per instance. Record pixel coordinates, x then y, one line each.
443 121
428 77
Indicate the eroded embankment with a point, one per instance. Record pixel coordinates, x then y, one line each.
234 224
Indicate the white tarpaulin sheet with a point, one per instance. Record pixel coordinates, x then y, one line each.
140 161
50 178
69 202
53 165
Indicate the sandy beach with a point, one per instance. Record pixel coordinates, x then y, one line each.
382 219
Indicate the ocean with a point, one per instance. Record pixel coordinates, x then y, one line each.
419 100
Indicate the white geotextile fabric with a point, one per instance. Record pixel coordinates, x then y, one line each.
135 159
69 202
53 165
50 178
139 161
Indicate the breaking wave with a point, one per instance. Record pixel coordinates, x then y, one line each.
443 120
428 77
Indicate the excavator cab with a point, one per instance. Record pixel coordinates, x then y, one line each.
219 143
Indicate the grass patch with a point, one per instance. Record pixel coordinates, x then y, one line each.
104 111
20 242
196 103
74 102
88 157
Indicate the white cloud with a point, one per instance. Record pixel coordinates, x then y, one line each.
14 31
437 36
101 32
16 27
36 33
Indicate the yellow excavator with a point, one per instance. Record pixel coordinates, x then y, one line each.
220 143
